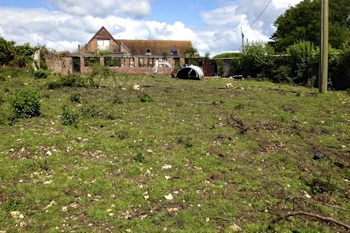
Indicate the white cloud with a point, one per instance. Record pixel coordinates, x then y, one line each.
228 21
283 4
137 8
75 21
222 16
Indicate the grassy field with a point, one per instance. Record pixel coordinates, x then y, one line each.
174 156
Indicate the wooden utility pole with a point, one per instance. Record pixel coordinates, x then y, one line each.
242 40
323 77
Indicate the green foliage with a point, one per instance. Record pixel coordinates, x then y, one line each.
40 73
72 80
139 158
101 71
220 65
112 62
191 52
340 74
257 60
90 61
75 98
321 185
303 58
90 111
23 56
236 67
145 98
281 74
97 73
228 55
117 100
206 56
69 116
44 54
302 23
26 103
7 51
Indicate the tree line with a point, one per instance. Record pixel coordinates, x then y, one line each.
292 55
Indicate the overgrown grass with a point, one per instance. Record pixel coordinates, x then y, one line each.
229 157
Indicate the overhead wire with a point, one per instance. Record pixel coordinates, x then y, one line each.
236 29
263 11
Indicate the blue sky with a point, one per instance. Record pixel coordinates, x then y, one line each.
186 11
213 26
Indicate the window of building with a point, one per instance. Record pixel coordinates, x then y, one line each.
148 51
174 52
90 61
103 45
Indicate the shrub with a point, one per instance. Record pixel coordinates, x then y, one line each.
40 74
72 80
340 75
281 75
75 98
69 117
145 98
303 62
257 60
26 103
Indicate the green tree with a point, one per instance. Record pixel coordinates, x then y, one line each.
191 52
303 60
7 51
23 56
17 56
303 23
257 60
340 76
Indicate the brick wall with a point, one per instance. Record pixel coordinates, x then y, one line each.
64 65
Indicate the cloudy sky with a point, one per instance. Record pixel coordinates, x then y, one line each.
213 26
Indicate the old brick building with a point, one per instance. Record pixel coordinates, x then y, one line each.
123 56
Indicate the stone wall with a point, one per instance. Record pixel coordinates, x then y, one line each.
59 64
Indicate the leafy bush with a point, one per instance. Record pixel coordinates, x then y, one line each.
340 75
40 74
145 98
220 65
257 60
101 71
23 56
303 57
281 75
112 62
69 117
7 51
91 111
70 80
26 103
75 98
236 66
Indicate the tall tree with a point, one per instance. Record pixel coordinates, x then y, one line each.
303 23
7 51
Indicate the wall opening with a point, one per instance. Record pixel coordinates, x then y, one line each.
76 64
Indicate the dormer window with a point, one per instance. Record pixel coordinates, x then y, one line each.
174 52
148 52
